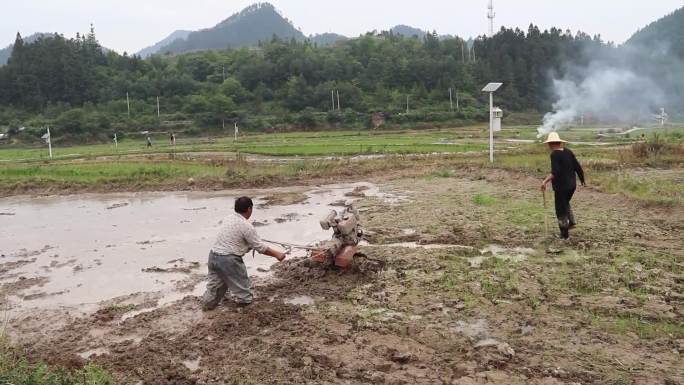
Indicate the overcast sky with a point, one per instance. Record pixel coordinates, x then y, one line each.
130 25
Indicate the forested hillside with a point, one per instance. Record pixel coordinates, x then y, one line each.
663 36
6 52
326 39
259 22
408 31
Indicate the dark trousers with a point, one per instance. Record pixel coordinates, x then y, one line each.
566 218
227 272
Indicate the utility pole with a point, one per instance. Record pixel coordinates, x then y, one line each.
116 142
451 101
407 104
128 104
332 97
338 101
458 107
158 111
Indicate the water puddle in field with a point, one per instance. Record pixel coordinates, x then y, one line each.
302 300
73 252
516 254
416 245
94 352
192 365
476 329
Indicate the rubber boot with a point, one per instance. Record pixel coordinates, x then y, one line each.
571 219
564 226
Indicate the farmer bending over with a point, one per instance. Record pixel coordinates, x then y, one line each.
564 166
226 268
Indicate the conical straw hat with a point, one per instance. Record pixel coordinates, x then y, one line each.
554 138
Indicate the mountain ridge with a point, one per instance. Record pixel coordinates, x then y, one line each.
230 33
256 23
662 36
6 53
175 35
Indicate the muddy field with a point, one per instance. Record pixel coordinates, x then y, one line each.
457 284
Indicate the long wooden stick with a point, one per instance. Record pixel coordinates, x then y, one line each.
546 219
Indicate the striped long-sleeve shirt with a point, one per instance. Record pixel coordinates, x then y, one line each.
237 237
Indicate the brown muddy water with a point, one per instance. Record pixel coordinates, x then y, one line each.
75 252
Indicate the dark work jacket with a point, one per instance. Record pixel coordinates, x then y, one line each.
564 166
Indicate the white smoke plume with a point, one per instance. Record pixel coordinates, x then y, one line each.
602 92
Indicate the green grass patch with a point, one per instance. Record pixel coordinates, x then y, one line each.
644 329
484 199
648 330
98 173
16 370
526 214
654 190
442 174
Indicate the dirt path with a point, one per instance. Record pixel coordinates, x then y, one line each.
495 303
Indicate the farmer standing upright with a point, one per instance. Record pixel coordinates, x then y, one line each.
564 169
226 268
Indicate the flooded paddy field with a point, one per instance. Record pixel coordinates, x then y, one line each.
73 252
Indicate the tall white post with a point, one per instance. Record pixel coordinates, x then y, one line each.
338 101
451 101
491 127
236 131
407 104
116 142
128 104
49 140
332 97
158 111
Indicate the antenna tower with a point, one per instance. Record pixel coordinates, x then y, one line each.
490 15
